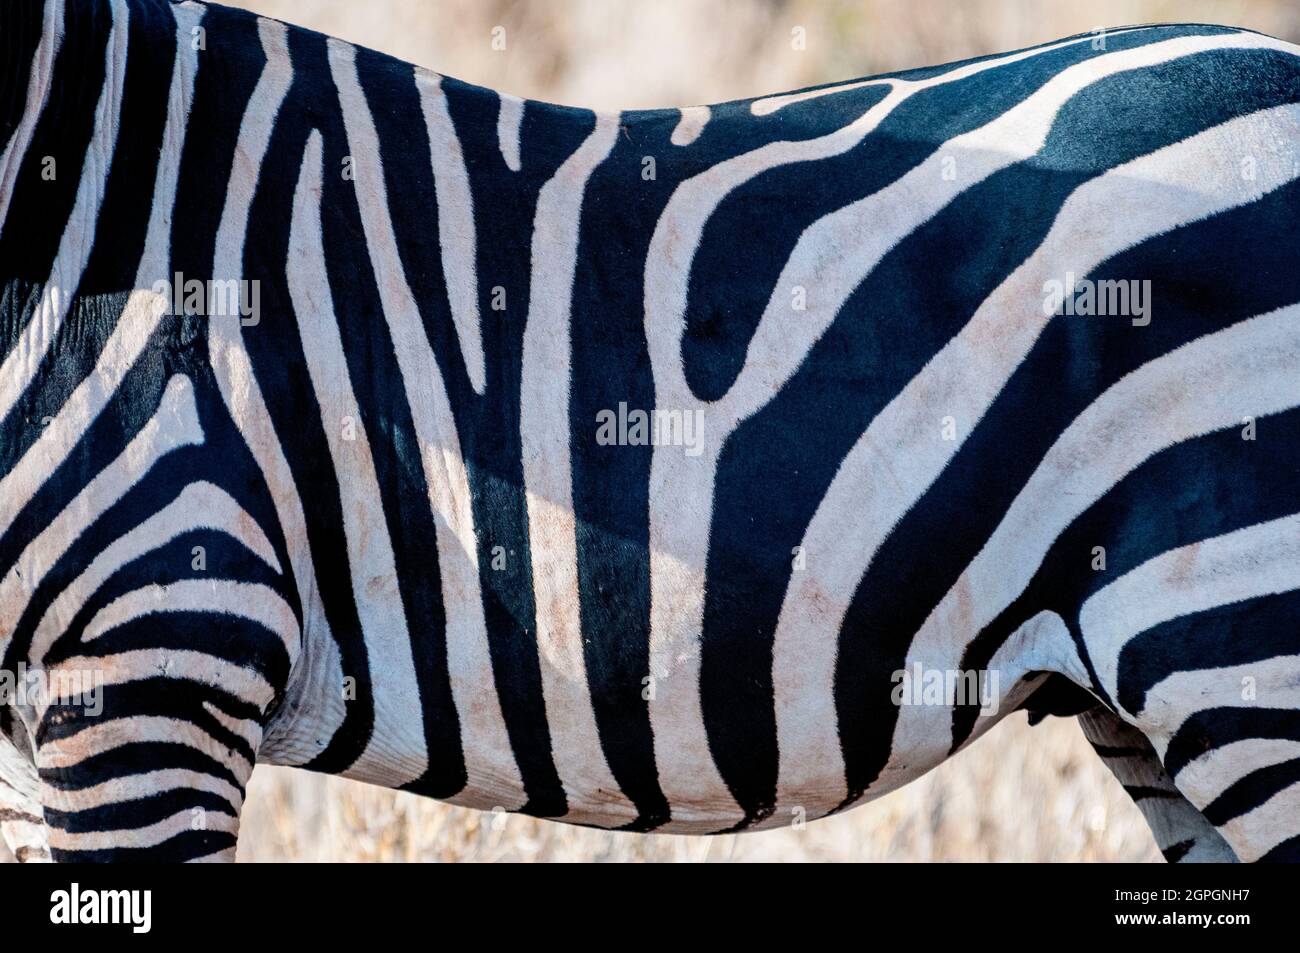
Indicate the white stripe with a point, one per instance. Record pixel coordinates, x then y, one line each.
246 600
38 92
187 665
17 795
1255 833
17 779
1042 644
246 729
1255 561
1270 683
494 778
548 481
1206 385
510 118
21 364
143 308
175 424
238 384
104 736
690 126
226 856
199 506
133 787
396 752
1209 775
456 234
307 718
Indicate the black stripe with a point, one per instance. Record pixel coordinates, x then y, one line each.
1239 633
1216 727
489 425
1251 791
139 812
10 816
119 231
1114 751
21 23
134 758
161 697
62 134
1143 792
129 409
611 366
187 845
227 75
728 291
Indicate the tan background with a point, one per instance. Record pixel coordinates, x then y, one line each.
613 54
1018 794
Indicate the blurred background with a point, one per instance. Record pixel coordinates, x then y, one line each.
1020 793
624 54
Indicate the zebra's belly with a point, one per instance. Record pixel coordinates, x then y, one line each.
664 527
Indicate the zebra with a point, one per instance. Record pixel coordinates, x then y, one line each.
640 470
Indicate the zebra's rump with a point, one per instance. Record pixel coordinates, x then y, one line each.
632 469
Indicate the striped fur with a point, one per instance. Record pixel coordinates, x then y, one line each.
375 525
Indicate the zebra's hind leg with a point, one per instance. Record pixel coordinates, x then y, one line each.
22 826
1182 833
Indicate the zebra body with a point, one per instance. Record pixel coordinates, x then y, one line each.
514 479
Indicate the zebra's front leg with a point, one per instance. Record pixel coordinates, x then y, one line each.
158 775
1181 831
147 750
